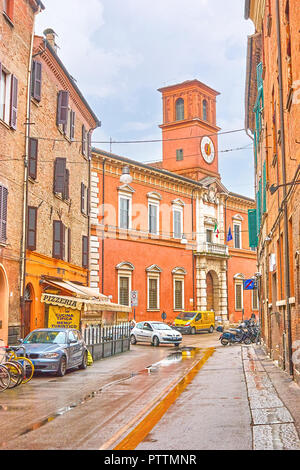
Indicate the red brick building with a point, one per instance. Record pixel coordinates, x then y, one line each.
163 232
273 118
16 31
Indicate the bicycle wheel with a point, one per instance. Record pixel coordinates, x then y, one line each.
16 373
4 378
28 369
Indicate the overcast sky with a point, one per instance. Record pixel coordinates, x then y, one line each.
121 51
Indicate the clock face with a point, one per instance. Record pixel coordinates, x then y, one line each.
207 149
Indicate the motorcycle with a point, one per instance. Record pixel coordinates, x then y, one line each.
232 337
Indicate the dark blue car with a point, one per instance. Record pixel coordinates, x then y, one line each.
56 350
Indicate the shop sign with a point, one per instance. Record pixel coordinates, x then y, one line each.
62 317
61 301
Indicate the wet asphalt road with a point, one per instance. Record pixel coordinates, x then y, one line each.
210 398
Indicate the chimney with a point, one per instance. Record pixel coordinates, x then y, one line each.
50 37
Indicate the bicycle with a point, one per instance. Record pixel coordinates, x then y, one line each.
5 378
14 368
24 362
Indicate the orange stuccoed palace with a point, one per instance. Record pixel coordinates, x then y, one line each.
161 230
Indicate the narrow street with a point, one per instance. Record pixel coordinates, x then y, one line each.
200 396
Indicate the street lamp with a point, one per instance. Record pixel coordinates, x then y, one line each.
275 187
126 177
184 240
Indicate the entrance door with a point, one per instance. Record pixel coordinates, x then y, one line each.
209 292
27 312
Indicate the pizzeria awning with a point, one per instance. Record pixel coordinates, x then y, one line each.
89 305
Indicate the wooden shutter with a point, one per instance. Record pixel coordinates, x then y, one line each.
238 297
178 295
3 213
124 291
60 175
84 141
85 258
66 193
153 304
58 240
88 201
33 155
252 227
82 198
62 107
89 139
72 125
36 90
14 102
31 228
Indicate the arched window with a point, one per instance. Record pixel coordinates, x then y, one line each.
204 110
179 109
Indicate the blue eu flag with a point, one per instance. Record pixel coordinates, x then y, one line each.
229 236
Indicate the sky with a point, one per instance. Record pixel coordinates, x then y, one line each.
121 51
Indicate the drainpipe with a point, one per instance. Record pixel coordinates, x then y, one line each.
286 228
103 201
25 181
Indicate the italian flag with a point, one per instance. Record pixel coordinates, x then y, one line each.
216 230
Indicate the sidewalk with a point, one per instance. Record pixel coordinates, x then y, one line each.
239 400
274 400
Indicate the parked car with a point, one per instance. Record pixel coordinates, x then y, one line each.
56 350
192 322
156 333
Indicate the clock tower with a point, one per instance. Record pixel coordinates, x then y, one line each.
189 130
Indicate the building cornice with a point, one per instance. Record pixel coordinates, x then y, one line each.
50 57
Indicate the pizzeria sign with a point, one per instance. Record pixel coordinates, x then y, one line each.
61 301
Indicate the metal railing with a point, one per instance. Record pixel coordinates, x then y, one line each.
105 341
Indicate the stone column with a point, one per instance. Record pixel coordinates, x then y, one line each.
201 284
223 293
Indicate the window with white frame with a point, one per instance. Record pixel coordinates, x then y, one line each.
153 287
5 95
238 296
178 294
178 288
255 299
237 230
153 212
125 270
178 219
153 209
125 211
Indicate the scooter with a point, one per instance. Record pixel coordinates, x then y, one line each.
231 337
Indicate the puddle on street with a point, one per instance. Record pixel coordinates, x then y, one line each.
173 358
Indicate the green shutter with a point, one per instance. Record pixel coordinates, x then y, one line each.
264 188
258 204
252 227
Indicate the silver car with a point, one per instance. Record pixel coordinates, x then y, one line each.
155 333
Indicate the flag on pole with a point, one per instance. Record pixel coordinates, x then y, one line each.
216 230
229 236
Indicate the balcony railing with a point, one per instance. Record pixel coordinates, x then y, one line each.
214 249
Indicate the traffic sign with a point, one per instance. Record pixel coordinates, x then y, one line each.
134 298
250 284
164 316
